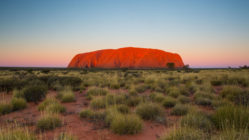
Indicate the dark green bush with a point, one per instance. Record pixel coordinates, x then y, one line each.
231 117
179 110
5 108
34 93
150 111
126 124
18 103
49 122
169 102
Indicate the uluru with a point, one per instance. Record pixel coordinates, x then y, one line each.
128 57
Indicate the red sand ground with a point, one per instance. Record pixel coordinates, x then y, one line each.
82 128
128 57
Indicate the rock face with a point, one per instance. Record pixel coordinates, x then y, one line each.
128 57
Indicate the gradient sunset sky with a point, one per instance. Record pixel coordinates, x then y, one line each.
48 33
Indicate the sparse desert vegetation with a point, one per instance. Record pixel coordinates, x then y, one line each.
124 104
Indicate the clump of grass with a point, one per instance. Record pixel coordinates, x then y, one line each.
157 97
197 120
231 134
133 101
179 110
169 102
34 93
51 105
173 92
66 136
203 98
236 95
185 133
18 93
216 82
66 95
126 124
5 108
18 103
49 121
95 91
16 133
124 109
231 117
92 115
149 111
183 99
98 103
141 88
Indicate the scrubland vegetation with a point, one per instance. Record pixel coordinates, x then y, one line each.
190 104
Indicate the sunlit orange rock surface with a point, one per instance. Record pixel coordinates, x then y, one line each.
128 57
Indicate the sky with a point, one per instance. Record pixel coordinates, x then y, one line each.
48 33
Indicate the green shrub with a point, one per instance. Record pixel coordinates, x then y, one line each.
185 134
124 109
49 122
149 111
34 93
5 108
16 133
133 101
93 115
51 105
157 97
18 93
173 92
197 120
18 103
179 110
66 136
231 134
98 103
141 88
203 101
169 102
96 92
216 82
66 95
184 99
126 124
236 95
231 117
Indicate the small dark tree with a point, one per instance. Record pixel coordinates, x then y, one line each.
171 65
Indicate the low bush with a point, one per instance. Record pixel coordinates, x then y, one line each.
133 101
18 103
203 101
18 93
216 82
173 92
5 108
149 111
236 95
92 115
169 102
157 97
179 110
98 103
231 117
197 120
185 133
126 124
184 99
51 105
66 95
49 122
96 92
16 133
124 109
141 88
231 134
66 136
34 93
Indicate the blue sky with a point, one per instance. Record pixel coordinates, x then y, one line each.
206 33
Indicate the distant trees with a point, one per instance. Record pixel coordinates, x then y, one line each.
171 65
